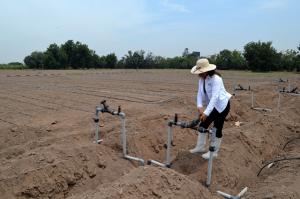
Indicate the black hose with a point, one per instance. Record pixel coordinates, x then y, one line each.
277 160
289 142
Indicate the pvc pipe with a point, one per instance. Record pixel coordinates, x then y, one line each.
225 195
157 163
123 129
242 192
168 156
135 158
263 109
278 103
124 140
252 101
97 123
212 150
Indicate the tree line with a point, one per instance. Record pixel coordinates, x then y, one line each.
257 56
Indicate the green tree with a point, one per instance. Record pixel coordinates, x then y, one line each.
261 56
134 60
238 61
35 60
224 60
288 60
55 57
69 48
111 60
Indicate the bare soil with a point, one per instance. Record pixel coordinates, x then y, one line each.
47 147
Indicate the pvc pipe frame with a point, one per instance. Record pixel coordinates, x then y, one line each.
123 131
258 109
228 196
169 146
168 152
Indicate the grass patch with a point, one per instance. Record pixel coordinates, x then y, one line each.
228 73
12 67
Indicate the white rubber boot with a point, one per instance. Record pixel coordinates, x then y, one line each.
217 144
200 147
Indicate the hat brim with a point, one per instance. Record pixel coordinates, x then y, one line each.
196 71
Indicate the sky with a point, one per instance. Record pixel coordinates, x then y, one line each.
163 27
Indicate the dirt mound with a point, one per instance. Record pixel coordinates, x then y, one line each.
150 182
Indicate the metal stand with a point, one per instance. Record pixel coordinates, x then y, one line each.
104 108
228 196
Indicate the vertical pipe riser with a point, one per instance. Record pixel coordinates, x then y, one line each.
97 126
124 137
278 104
168 158
209 169
252 101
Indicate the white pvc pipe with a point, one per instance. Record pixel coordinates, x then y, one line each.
278 103
228 196
252 101
157 163
135 159
124 144
124 140
168 156
225 195
212 143
263 109
97 132
242 192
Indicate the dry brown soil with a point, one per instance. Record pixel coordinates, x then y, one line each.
47 133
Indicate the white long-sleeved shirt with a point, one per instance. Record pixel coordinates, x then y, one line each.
216 96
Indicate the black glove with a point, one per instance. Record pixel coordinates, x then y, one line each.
184 125
193 123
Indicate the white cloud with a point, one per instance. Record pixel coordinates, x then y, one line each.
174 6
272 4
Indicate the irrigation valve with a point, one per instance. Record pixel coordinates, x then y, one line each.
119 110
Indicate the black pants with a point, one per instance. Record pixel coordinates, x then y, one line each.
218 119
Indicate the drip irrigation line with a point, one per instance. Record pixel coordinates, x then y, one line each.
128 100
12 109
289 142
33 104
42 100
149 82
5 121
277 160
12 123
136 98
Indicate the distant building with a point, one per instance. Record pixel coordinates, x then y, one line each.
195 54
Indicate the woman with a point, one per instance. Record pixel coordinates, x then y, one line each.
211 88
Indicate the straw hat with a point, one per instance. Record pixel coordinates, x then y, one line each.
202 66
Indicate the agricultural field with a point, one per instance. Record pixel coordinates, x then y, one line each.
48 149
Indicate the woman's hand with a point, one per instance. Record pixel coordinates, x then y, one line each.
203 117
200 110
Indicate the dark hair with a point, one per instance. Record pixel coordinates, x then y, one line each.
213 72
